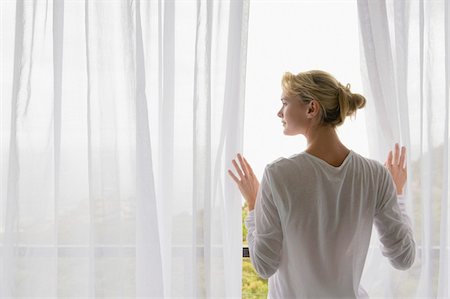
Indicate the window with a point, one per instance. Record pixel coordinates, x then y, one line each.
295 36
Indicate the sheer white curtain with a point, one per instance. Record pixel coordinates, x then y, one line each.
119 120
405 49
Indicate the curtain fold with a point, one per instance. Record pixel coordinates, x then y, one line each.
149 254
119 121
444 277
405 65
9 202
202 150
166 119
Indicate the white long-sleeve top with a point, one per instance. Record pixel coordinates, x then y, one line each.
310 230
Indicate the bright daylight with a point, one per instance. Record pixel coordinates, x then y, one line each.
224 149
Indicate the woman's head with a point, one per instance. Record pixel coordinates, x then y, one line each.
336 101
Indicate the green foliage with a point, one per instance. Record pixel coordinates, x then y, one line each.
244 229
253 287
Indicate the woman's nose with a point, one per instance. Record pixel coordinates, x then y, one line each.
280 115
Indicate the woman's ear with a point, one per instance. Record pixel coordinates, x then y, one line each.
313 109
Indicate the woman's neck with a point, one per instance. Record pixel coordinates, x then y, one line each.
323 142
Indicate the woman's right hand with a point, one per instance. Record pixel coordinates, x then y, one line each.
396 164
247 182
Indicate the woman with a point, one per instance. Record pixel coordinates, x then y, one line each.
310 220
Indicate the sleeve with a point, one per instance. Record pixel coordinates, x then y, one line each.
264 231
394 226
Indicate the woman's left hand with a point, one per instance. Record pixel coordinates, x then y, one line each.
396 164
247 182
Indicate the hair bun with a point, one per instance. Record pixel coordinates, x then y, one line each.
349 102
356 101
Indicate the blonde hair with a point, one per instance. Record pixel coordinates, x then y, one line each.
336 100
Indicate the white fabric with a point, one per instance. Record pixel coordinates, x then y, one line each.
119 120
405 52
310 230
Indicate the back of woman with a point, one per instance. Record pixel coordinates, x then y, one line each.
325 217
310 219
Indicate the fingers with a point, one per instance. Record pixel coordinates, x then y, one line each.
402 163
233 177
389 159
243 169
397 158
396 154
249 168
238 169
243 165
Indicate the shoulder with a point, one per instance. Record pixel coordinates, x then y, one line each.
372 164
372 169
276 163
286 166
